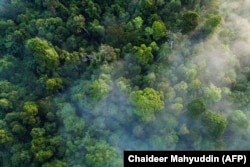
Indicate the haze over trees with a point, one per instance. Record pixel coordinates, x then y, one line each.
81 81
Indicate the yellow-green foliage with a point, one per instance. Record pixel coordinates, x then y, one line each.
101 154
29 114
44 53
53 84
159 30
100 88
143 54
4 103
43 155
4 137
146 103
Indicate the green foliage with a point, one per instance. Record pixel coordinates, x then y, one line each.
190 21
214 123
76 23
74 125
5 138
4 104
146 103
239 121
211 24
147 7
37 132
96 28
99 88
177 108
7 64
138 22
18 129
53 84
21 158
106 54
123 84
44 53
116 36
143 54
101 154
55 163
196 108
43 155
82 80
30 114
9 94
213 93
159 30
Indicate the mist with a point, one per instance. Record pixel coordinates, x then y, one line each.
217 61
176 91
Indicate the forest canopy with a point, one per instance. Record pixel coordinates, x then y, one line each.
81 81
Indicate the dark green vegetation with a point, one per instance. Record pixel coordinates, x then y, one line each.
83 80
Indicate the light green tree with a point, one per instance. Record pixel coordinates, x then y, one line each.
53 84
29 115
138 22
159 30
146 103
44 53
99 89
143 54
213 93
238 122
5 138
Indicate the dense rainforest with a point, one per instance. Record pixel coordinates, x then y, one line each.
83 80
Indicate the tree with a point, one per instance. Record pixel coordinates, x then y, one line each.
9 95
143 54
5 104
7 64
29 115
213 93
211 24
106 53
147 102
5 137
147 7
74 125
99 89
190 21
159 30
76 23
44 53
181 87
96 29
54 84
116 36
100 154
21 158
177 108
195 108
137 22
123 84
238 122
18 129
214 123
55 163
